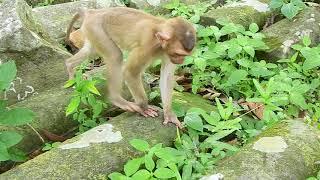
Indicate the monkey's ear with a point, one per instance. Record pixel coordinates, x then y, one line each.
163 36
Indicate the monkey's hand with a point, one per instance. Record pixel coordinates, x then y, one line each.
171 118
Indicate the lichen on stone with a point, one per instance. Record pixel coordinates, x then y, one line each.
274 144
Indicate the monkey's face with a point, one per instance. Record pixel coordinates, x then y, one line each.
176 52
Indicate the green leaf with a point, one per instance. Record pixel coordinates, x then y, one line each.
259 88
221 110
141 175
8 72
306 41
164 173
16 117
194 121
254 27
200 63
297 47
249 50
132 166
289 10
205 32
236 76
298 3
234 50
298 99
311 62
4 155
73 105
10 138
274 4
69 83
149 163
17 155
140 145
219 135
117 176
244 62
187 171
91 87
168 154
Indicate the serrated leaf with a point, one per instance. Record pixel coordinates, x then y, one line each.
200 63
204 32
91 87
306 41
132 166
10 138
149 163
164 173
69 83
194 121
254 27
141 175
244 62
274 4
16 117
140 145
298 99
249 50
236 76
73 105
234 50
289 10
117 176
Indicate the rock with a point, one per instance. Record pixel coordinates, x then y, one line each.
283 34
288 150
55 19
244 13
39 61
34 3
97 152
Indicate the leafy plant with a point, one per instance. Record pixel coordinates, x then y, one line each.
11 117
84 105
49 146
289 8
45 3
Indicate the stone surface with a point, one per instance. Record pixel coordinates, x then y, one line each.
293 154
283 34
243 12
97 159
40 62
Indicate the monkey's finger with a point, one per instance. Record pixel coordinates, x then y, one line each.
153 108
150 113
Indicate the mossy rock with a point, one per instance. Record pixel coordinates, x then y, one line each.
288 150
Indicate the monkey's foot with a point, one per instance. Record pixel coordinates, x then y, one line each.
170 118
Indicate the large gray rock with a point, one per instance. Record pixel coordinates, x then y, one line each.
39 60
243 12
288 150
283 34
55 19
97 152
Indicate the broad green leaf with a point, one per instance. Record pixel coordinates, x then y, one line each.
149 163
298 3
141 175
73 105
289 10
117 176
194 121
249 50
244 62
8 72
254 27
164 173
221 110
17 155
259 88
274 4
10 138
204 32
97 109
187 171
132 166
236 76
297 47
311 62
168 154
91 87
306 40
234 50
200 63
222 145
298 99
16 117
140 145
4 155
219 135
195 18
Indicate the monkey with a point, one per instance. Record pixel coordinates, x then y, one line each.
106 32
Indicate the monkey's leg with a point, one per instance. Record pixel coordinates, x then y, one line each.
76 59
166 89
133 70
112 56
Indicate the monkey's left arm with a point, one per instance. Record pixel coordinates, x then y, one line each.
166 89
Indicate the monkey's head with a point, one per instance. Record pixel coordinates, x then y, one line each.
177 38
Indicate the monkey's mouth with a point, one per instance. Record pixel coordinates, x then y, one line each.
177 61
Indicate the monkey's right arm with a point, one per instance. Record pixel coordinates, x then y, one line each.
166 89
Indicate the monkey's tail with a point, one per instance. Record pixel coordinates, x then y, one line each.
77 16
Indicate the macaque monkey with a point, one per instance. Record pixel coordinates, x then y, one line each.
146 37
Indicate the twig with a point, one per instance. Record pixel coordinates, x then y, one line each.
38 134
250 111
